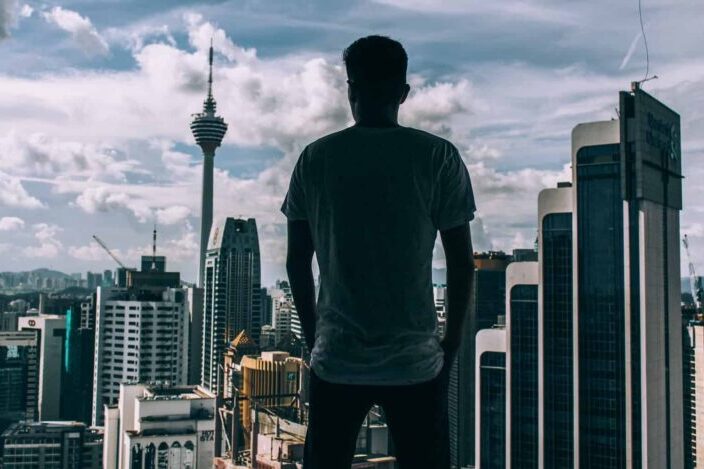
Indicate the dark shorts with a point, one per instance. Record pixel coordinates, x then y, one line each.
416 415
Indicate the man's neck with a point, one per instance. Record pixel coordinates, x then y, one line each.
377 122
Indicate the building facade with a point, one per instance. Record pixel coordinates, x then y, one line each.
490 399
19 375
51 445
155 426
489 303
141 335
77 368
51 333
627 318
556 351
522 365
232 290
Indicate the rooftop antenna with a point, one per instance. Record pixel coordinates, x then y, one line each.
636 85
154 249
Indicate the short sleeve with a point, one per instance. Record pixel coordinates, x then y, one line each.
453 199
294 206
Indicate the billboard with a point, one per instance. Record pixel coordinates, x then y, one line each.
651 154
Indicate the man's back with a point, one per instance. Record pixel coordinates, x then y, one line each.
374 198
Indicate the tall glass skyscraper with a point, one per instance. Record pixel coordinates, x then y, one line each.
490 400
489 303
522 364
628 372
232 293
556 351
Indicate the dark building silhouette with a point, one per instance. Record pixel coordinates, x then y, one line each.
489 304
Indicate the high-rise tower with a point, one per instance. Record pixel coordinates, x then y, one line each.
208 130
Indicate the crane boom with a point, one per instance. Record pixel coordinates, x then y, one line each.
102 245
692 275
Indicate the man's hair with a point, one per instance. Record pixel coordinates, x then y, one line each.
376 59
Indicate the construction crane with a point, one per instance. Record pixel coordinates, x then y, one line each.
693 283
102 245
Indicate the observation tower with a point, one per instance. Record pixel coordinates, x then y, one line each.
208 130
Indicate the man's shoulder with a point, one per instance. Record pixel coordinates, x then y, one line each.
429 138
419 138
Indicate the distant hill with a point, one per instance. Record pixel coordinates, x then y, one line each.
41 271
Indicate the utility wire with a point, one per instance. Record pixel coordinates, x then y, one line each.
645 40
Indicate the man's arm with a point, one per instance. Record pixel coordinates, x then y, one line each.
457 243
300 274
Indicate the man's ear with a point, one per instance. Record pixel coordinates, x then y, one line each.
404 94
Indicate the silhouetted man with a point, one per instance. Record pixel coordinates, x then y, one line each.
369 201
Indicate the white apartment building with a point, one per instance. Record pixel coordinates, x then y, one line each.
160 426
142 335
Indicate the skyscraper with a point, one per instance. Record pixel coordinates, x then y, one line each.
490 403
555 349
489 303
77 372
522 364
19 375
232 290
628 370
51 332
141 335
208 130
693 394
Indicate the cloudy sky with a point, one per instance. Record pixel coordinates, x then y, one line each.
96 98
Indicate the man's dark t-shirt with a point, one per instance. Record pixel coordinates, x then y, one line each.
375 199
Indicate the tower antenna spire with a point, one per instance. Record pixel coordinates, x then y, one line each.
210 70
154 249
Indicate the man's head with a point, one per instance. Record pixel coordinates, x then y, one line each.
376 72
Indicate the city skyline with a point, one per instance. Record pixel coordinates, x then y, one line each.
96 117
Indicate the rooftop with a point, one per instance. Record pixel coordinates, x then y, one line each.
163 392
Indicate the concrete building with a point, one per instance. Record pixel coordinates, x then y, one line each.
267 308
694 394
287 321
160 426
208 131
51 333
272 380
490 400
8 320
232 290
194 297
19 375
522 365
51 445
555 331
627 334
77 368
489 304
142 334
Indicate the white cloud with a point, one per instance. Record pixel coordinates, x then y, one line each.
91 252
7 17
11 223
102 199
13 194
80 28
172 215
48 247
26 11
519 9
39 155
